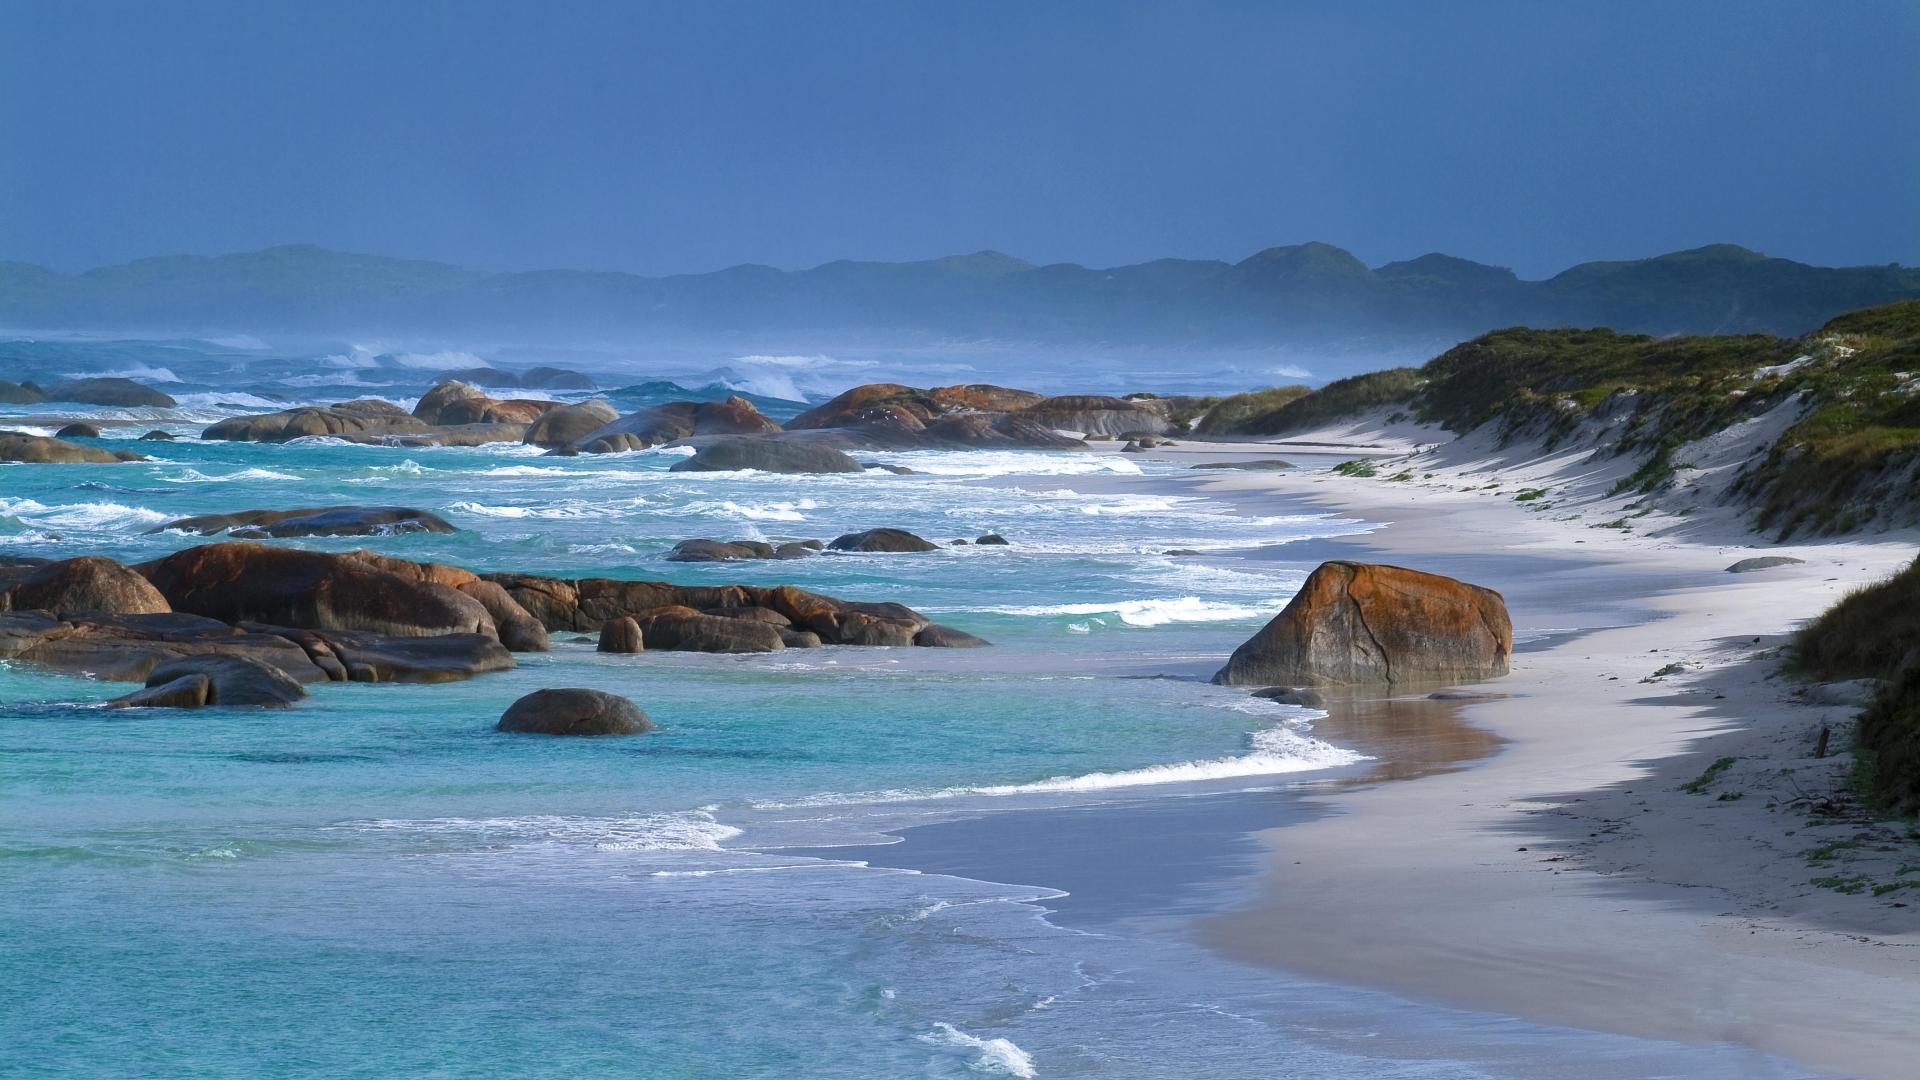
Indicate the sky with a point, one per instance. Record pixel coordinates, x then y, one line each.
685 137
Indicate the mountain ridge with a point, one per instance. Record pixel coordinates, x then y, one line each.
1293 294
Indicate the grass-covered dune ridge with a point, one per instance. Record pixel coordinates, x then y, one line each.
1848 459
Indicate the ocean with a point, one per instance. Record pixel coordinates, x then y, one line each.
376 883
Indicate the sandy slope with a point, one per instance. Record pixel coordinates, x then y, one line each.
1571 879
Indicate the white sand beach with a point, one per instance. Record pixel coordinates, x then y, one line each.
1571 878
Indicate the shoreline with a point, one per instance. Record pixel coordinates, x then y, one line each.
1569 879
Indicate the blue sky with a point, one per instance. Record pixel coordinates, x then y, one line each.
684 137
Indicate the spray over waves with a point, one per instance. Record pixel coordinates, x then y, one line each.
991 1055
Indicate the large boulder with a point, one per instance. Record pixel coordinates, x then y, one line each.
455 402
318 521
1363 623
563 427
704 550
621 635
231 680
110 391
881 540
683 629
314 590
574 711
12 393
970 415
366 416
78 430
88 583
678 420
190 691
40 450
767 455
1092 414
517 629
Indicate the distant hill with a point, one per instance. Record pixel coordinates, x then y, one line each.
1301 294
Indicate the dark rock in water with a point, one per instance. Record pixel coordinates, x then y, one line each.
452 403
313 590
574 711
752 614
934 635
1364 623
438 659
678 420
767 455
1264 465
110 391
703 550
127 647
16 394
317 521
959 543
1133 448
587 603
365 416
516 628
1763 562
687 630
38 450
881 540
897 470
1293 695
231 680
1465 695
1181 551
88 583
801 549
552 378
482 376
157 435
186 692
621 635
561 428
992 539
799 639
77 431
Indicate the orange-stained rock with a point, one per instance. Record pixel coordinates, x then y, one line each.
1364 623
88 583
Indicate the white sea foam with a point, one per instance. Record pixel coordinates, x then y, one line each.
1146 612
90 516
694 830
974 463
990 1055
1273 751
783 511
143 372
219 399
534 470
195 476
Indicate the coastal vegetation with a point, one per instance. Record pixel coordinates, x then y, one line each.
1845 455
1872 633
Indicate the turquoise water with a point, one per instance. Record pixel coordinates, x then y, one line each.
375 883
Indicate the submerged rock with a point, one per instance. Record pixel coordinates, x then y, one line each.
1365 623
882 540
574 711
231 680
933 635
39 450
767 455
77 431
186 692
157 435
1292 695
367 416
110 391
317 521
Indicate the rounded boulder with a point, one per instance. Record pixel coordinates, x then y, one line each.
574 711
